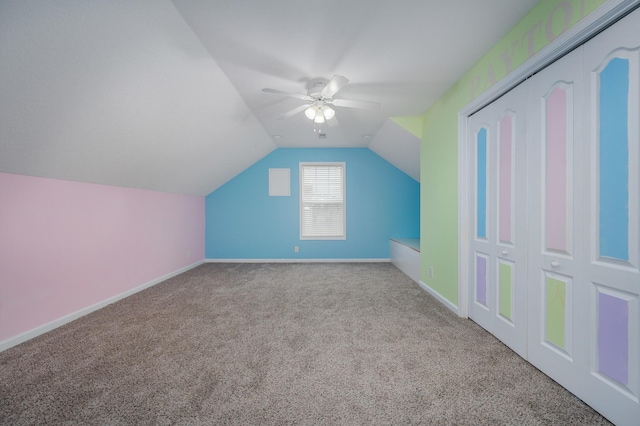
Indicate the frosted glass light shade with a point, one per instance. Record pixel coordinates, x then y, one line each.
328 113
311 112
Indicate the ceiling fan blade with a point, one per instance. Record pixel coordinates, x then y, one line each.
293 111
333 86
355 104
333 121
289 94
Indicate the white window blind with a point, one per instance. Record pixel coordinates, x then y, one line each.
322 201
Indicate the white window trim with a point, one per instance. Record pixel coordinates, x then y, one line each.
344 199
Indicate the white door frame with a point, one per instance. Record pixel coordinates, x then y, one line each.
610 12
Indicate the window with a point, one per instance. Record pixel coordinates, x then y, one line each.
322 201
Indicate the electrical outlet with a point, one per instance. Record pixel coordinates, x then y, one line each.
296 249
431 272
188 254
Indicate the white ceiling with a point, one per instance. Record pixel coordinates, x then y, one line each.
167 95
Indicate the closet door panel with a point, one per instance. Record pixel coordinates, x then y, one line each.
556 336
497 141
510 318
482 142
612 79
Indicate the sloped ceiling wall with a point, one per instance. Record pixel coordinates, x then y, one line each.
120 94
399 147
166 95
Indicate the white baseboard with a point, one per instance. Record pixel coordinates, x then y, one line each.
20 338
439 297
371 260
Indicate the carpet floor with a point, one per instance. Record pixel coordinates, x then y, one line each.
278 344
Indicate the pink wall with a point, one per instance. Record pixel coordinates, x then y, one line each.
65 246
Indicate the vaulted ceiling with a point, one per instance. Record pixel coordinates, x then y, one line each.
168 95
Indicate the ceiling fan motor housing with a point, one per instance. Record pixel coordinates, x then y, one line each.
316 91
319 96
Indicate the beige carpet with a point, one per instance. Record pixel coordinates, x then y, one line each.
278 344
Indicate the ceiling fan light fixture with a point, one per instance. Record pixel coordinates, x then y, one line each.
311 112
318 100
328 113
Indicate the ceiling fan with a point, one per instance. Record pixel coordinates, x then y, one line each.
319 98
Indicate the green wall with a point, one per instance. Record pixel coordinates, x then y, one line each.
439 148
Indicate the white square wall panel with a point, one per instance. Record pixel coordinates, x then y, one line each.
279 182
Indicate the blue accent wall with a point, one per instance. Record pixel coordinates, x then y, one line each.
243 222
